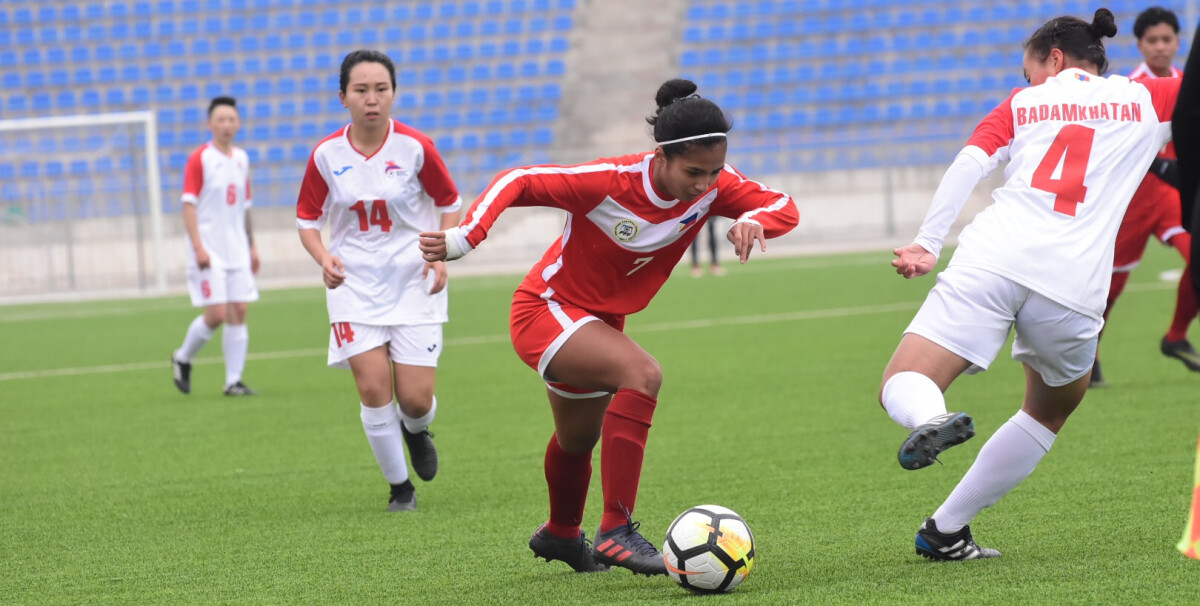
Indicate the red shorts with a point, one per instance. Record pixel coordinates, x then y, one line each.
1153 211
539 328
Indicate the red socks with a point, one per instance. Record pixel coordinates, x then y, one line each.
1185 307
567 476
622 448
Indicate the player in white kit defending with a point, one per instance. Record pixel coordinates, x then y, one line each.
379 183
222 259
1038 259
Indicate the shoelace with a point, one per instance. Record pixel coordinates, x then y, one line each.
636 541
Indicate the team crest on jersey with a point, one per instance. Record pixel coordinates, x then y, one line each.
625 230
392 169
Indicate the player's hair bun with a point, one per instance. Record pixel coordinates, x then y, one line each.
673 90
1104 24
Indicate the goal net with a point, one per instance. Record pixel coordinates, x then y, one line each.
80 207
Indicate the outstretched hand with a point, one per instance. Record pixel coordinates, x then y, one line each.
432 245
743 236
913 260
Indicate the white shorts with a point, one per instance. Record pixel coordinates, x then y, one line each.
414 345
970 312
219 286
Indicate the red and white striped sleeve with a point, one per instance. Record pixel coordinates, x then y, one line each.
747 201
575 189
193 176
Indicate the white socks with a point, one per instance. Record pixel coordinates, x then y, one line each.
382 426
198 334
912 398
1008 457
235 340
417 425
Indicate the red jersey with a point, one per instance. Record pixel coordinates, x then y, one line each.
1155 208
622 238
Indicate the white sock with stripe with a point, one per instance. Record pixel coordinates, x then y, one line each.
198 335
382 426
419 424
1008 457
235 340
912 398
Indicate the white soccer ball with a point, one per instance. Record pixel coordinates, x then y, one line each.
709 549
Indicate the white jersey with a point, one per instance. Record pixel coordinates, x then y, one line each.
219 187
376 207
1078 147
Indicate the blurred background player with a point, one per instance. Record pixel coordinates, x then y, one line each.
1155 208
631 220
1037 259
714 266
222 259
379 183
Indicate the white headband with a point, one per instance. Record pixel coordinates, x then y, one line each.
692 138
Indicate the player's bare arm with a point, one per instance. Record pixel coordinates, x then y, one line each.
193 229
333 271
913 261
743 234
253 250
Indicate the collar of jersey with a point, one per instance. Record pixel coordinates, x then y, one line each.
366 158
648 184
1069 73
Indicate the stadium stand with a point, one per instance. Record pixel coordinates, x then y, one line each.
503 58
815 85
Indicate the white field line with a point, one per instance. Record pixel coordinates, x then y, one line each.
175 303
792 316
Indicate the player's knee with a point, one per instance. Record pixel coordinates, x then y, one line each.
214 317
644 375
415 404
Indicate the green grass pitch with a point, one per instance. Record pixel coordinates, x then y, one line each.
114 488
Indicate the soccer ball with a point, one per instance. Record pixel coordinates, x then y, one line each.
709 549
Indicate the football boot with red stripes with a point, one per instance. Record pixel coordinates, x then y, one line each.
577 552
624 546
935 545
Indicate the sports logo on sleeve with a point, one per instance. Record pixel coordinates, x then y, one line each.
625 230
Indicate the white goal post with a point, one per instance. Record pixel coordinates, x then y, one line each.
153 183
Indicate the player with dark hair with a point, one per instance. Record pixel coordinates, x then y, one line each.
631 219
222 259
1037 260
1155 208
379 183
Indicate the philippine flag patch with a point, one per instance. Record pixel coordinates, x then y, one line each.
687 222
